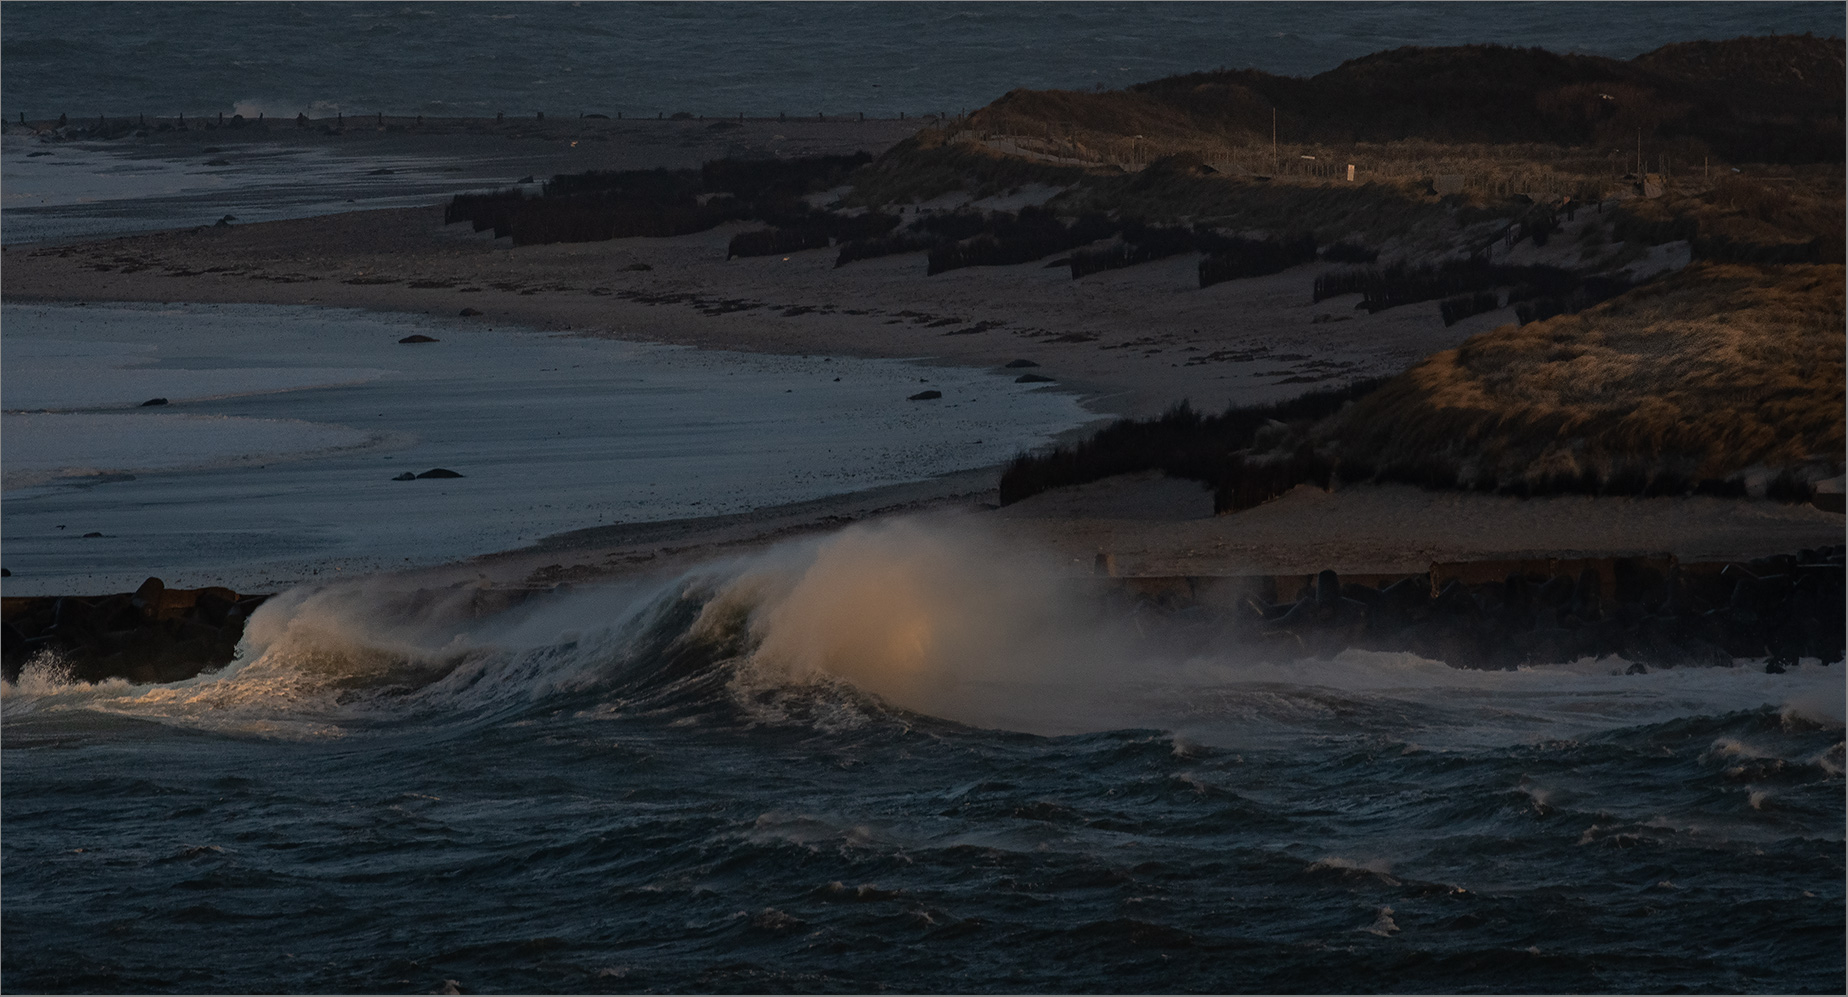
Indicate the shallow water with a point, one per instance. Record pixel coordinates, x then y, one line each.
284 427
86 190
906 758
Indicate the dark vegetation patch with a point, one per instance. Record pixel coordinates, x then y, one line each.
1212 449
601 205
1347 252
958 239
1255 258
1228 256
1467 287
1142 243
1005 239
926 165
776 241
1764 220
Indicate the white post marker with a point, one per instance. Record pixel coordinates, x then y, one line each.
1350 173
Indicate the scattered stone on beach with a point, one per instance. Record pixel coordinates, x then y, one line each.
91 534
153 401
1034 379
4 573
226 221
638 267
924 396
406 476
469 312
421 338
439 472
1021 363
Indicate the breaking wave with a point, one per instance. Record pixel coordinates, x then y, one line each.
900 619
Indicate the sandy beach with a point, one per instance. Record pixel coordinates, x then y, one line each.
1128 343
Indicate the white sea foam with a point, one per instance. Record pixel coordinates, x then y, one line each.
935 617
952 621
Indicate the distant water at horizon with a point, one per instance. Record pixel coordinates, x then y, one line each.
757 59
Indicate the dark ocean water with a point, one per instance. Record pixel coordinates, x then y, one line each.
888 760
85 59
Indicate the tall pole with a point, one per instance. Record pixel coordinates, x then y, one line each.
1275 166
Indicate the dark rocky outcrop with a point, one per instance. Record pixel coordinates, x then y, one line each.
440 472
421 338
153 401
1652 612
154 634
924 396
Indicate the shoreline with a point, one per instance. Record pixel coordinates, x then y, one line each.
1130 342
1133 342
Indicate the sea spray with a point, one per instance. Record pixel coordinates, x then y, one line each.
670 779
933 618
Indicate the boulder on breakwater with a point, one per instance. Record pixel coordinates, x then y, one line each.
153 634
1654 612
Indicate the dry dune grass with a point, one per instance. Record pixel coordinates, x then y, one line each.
1794 217
1699 376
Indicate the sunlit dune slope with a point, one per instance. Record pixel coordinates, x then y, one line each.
1698 376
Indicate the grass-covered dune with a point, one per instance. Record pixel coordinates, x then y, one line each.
1716 379
1696 377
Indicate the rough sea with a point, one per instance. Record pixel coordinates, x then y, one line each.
901 757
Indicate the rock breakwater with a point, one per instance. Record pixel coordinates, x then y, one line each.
1652 612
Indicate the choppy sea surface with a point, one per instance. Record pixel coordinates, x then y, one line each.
901 758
